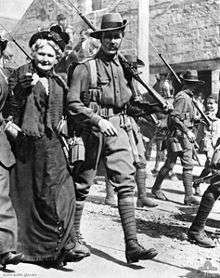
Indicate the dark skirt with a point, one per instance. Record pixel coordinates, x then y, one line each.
43 195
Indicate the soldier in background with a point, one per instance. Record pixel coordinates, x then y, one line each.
65 27
196 232
182 138
8 219
210 138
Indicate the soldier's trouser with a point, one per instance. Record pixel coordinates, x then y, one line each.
140 166
207 169
119 164
208 200
8 220
187 163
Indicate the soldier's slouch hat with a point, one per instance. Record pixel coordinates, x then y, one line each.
191 76
110 22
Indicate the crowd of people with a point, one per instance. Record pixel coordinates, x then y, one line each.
93 109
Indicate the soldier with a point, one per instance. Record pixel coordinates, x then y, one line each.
210 139
8 219
181 141
107 128
196 233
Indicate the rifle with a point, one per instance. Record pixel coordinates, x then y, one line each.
16 43
204 117
195 154
129 68
199 180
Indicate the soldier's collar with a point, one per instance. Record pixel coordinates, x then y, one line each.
188 92
106 59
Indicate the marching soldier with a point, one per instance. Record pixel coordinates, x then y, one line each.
196 233
101 111
210 139
181 141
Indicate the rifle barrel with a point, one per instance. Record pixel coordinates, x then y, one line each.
16 43
85 19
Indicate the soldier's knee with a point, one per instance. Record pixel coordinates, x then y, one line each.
169 166
140 165
125 192
188 168
214 188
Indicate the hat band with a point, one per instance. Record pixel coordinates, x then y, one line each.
107 25
191 77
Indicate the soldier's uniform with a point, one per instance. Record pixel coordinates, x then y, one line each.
111 101
8 219
196 233
181 120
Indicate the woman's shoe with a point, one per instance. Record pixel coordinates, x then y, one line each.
10 258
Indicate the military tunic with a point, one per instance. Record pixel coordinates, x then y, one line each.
182 120
115 94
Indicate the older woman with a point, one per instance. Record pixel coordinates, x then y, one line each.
43 192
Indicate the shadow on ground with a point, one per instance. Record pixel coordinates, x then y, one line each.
108 257
188 213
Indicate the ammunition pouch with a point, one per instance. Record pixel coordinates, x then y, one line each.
91 96
92 99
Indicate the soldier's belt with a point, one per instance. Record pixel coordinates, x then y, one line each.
110 112
105 112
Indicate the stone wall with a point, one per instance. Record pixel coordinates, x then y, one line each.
187 32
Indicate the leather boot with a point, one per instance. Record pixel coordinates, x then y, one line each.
189 200
110 196
135 252
200 238
10 258
142 199
156 189
196 232
80 250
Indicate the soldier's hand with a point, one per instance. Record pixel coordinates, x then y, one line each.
191 136
107 128
25 80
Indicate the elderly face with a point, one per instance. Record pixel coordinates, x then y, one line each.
45 58
111 41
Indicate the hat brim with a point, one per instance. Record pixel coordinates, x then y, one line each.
97 34
200 82
140 63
